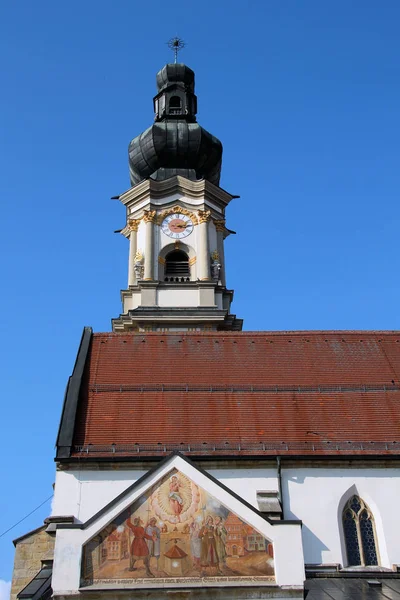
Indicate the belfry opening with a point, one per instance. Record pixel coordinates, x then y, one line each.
177 266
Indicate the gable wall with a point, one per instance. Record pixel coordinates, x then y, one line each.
285 537
29 552
314 495
83 493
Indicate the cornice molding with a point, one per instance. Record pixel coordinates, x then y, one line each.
145 316
176 185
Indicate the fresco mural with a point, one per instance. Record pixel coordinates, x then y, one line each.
177 530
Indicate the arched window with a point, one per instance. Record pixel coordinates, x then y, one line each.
175 105
359 534
177 266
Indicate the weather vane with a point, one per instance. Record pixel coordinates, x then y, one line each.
176 44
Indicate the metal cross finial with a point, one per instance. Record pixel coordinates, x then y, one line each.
176 44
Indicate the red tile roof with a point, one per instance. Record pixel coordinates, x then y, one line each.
317 392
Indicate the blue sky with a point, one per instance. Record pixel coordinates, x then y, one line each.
305 97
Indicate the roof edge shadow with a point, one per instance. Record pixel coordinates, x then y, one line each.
71 397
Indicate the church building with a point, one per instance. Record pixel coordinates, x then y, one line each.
194 459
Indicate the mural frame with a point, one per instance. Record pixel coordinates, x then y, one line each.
177 532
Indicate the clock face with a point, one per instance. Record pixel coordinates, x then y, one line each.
177 226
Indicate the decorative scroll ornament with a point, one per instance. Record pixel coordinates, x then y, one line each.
204 216
149 216
133 224
176 209
219 224
139 256
215 265
138 265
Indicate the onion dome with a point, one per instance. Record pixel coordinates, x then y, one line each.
175 144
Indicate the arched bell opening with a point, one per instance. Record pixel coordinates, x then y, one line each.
175 105
177 268
188 258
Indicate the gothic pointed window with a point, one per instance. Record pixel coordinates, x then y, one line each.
177 266
359 534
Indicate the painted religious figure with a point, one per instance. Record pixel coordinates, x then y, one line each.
195 544
209 555
139 549
220 539
153 544
175 499
177 529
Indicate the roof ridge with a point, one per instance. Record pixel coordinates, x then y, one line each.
249 333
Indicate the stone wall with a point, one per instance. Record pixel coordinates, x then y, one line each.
30 550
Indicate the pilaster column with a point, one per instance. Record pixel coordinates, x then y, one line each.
203 258
220 227
133 225
149 218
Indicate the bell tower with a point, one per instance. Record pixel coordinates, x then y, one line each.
175 219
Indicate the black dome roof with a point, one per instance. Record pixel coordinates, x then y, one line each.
175 144
175 73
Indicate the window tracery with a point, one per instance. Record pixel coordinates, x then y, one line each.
359 533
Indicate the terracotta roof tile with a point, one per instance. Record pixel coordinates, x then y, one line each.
247 392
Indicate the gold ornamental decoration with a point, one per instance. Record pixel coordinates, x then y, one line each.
139 256
204 216
219 224
176 209
149 216
133 224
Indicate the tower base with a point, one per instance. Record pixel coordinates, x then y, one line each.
155 318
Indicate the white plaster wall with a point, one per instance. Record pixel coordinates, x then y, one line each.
212 238
165 240
219 301
317 497
314 495
177 297
156 249
132 301
141 236
246 483
83 493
